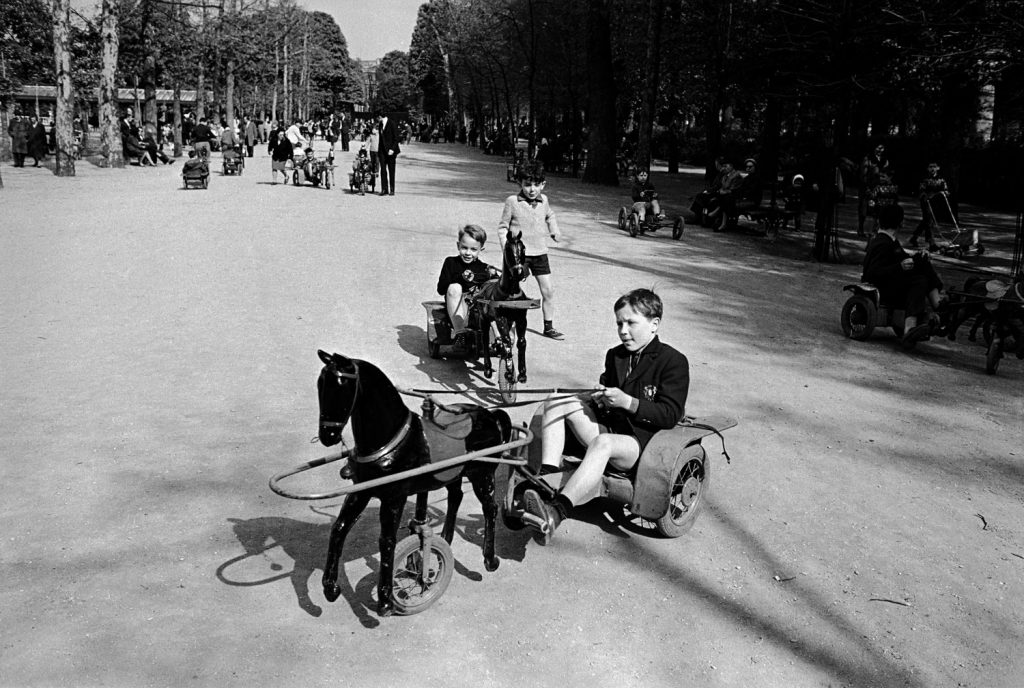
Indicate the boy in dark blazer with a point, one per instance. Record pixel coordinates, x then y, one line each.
643 390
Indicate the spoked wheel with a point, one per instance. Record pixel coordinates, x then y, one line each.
689 488
858 317
513 502
507 379
633 224
677 228
623 214
995 353
417 586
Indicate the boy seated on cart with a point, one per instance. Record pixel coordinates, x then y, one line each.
463 274
905 281
645 197
195 167
643 390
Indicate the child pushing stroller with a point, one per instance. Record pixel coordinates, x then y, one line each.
933 193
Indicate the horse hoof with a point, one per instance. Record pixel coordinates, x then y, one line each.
332 592
488 374
492 564
522 378
385 609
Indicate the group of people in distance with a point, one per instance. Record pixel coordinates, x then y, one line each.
645 382
28 138
141 143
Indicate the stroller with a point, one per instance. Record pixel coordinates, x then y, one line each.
195 173
955 241
233 161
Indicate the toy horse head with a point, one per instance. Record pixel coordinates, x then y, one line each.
336 388
514 258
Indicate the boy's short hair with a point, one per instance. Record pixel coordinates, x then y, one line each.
890 216
643 301
642 170
533 172
474 232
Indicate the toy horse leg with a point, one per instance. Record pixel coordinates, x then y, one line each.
483 487
521 345
347 517
485 333
454 501
391 508
505 333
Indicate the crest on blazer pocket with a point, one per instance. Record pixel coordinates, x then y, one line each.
650 391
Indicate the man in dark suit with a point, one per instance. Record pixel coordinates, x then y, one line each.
643 390
387 151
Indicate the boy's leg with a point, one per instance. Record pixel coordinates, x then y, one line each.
547 294
557 414
457 308
622 451
640 208
656 208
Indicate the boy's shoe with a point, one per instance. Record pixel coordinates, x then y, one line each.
536 506
916 334
346 471
552 333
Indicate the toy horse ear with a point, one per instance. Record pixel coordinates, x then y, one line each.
324 356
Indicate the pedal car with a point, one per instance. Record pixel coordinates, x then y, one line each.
629 220
665 493
195 173
233 161
362 179
864 311
476 341
316 171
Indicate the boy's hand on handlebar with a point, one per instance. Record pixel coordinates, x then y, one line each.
611 397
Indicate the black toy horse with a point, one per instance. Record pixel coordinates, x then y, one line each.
506 288
390 439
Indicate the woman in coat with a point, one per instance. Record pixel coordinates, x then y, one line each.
18 130
37 140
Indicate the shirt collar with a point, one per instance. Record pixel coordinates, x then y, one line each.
523 197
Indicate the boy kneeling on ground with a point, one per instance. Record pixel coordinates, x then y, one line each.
642 390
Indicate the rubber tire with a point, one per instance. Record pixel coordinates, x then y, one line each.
689 489
993 355
623 214
861 304
206 182
434 349
981 248
295 178
409 547
958 253
633 224
677 228
508 389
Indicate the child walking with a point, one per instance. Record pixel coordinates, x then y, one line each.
528 215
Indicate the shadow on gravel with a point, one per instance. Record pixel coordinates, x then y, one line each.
266 539
855 662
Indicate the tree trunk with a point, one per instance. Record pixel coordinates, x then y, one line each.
111 146
601 97
645 120
64 116
177 118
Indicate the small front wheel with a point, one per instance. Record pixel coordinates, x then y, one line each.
858 317
418 584
507 379
677 228
633 224
623 214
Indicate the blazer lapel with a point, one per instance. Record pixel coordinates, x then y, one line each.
646 359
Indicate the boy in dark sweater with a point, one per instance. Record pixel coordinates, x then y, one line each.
463 274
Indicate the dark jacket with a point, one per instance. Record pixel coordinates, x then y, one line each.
882 261
388 138
471 276
661 381
643 192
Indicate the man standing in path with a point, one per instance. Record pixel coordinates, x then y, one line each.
387 151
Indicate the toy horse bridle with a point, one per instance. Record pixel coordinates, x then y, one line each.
390 446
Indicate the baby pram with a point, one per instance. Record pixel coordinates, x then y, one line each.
233 161
195 173
953 240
